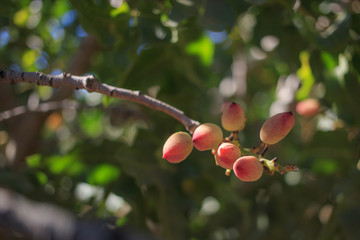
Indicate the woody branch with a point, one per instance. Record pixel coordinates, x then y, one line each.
92 84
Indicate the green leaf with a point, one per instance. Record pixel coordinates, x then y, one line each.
103 174
329 61
65 164
60 7
95 17
325 166
58 164
33 160
107 100
91 123
21 17
42 177
121 221
28 59
305 76
204 48
124 8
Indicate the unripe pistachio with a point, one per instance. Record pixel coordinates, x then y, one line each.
232 117
226 155
177 147
248 168
207 136
308 107
277 127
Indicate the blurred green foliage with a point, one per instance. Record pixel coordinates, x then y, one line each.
194 55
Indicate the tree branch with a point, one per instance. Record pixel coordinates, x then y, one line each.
42 107
32 122
92 84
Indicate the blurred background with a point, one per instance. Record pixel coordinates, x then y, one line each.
74 162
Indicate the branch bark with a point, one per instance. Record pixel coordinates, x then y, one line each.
92 84
42 107
25 131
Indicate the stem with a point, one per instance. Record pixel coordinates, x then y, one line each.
92 84
228 172
256 150
271 166
264 150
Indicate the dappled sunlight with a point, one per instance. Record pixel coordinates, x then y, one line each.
180 119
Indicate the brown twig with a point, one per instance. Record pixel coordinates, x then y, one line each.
42 107
92 84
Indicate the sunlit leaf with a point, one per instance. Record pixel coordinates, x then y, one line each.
106 101
58 164
91 122
305 76
65 164
103 174
44 92
164 46
28 59
328 60
124 8
204 48
60 7
21 17
76 168
41 177
33 160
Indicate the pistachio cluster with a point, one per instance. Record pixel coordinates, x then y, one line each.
247 164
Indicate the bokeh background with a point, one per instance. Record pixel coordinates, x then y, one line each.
98 159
